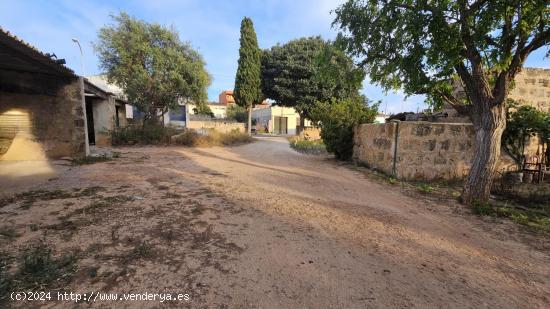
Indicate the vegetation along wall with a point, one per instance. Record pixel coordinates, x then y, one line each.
218 125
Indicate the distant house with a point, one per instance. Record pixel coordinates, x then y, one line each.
277 119
380 118
226 97
42 110
106 109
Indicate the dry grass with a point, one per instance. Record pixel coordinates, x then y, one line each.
211 138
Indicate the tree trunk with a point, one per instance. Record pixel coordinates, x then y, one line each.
249 120
302 124
489 124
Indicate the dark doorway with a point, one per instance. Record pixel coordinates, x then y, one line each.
117 119
90 121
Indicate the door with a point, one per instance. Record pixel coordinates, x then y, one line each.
90 121
280 125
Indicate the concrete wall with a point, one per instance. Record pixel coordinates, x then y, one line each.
218 125
103 114
52 122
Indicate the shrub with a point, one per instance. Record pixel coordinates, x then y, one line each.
237 112
482 209
308 146
338 120
211 138
137 134
524 122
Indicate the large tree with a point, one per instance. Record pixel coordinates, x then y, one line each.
151 64
420 46
304 71
248 90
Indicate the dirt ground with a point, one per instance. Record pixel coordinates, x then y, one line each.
262 226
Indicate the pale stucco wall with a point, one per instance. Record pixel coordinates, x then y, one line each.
220 126
103 112
266 117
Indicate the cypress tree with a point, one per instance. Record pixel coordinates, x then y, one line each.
248 80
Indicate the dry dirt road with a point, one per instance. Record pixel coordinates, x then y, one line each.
261 226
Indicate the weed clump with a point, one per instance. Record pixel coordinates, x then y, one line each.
308 146
211 138
37 269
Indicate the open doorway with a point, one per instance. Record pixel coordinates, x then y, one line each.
90 121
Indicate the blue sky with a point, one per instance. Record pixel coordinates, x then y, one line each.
212 27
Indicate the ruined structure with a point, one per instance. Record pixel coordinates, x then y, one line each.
531 87
41 104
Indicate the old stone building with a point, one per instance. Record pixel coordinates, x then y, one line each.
106 109
531 87
42 111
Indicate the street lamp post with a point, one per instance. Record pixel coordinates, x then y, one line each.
81 56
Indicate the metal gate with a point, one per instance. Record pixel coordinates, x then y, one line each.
280 125
11 123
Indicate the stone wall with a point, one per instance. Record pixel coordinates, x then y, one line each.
310 134
419 150
374 145
532 86
52 121
218 125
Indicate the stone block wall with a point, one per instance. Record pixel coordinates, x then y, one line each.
310 134
421 150
374 145
52 121
434 150
532 87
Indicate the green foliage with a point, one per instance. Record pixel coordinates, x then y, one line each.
338 119
523 122
537 220
151 64
151 134
482 209
84 160
425 188
420 45
202 108
308 146
304 71
248 79
38 268
237 113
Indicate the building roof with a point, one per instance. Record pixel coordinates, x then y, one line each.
18 55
